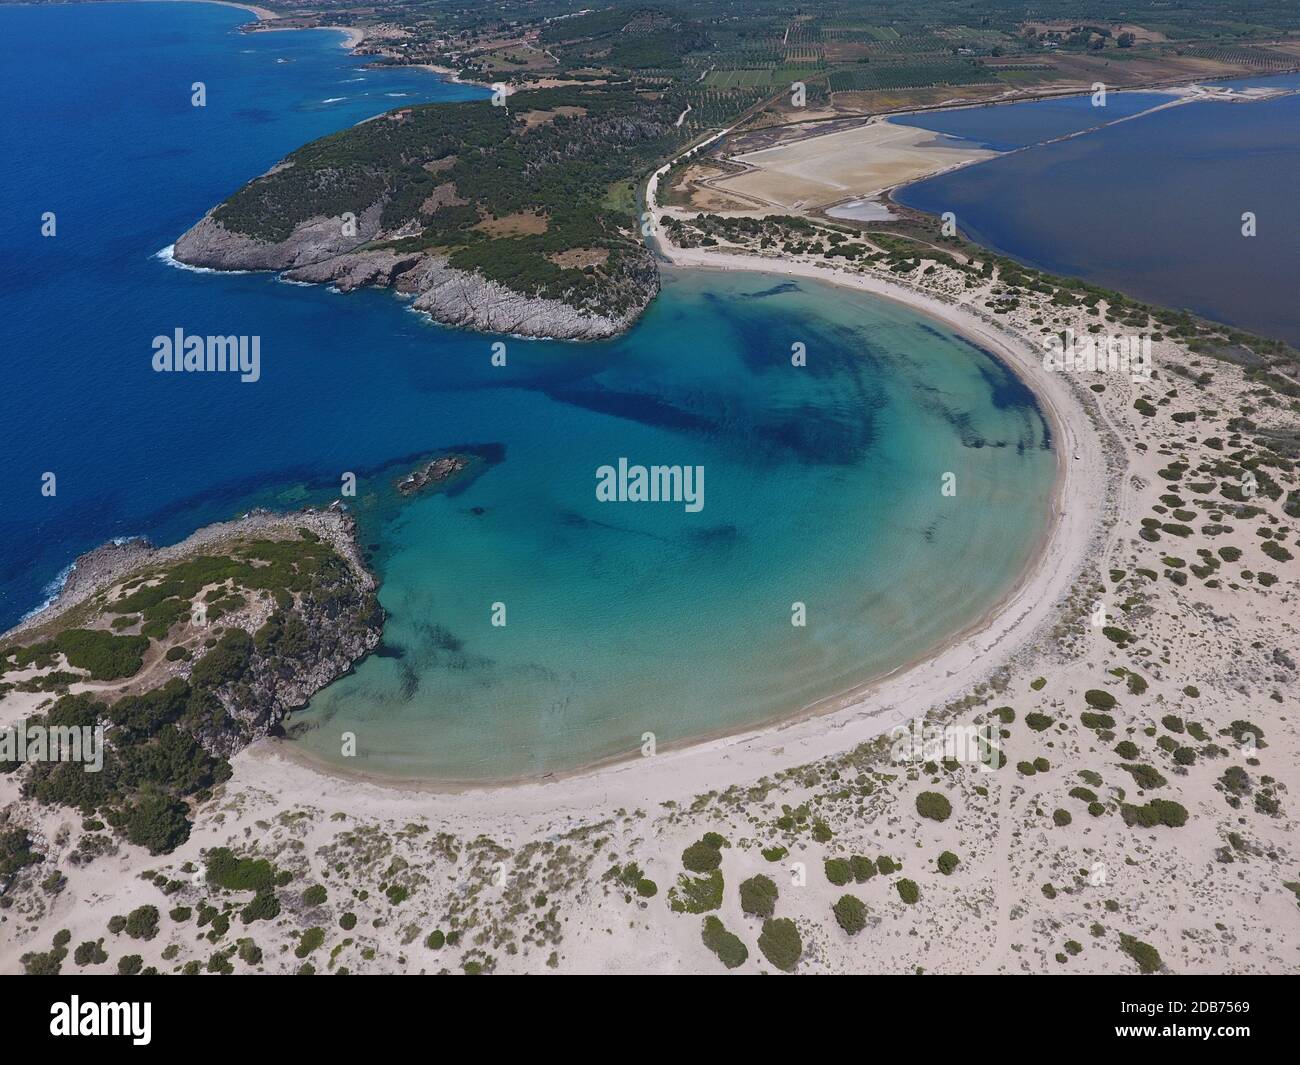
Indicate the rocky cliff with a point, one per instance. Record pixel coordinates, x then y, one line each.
317 252
515 219
272 646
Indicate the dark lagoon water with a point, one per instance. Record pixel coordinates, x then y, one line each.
822 483
1004 128
1151 206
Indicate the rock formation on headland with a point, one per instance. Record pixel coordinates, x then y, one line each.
183 656
490 219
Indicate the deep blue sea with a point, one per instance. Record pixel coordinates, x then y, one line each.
1152 206
822 483
97 127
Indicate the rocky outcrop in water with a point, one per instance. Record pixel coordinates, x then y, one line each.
432 473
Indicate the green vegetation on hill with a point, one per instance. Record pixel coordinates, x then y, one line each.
517 193
164 746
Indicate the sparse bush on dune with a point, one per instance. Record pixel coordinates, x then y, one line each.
1099 699
310 940
1146 956
142 922
726 945
863 869
1145 776
1156 812
758 896
781 943
697 894
238 874
700 857
838 871
933 805
264 907
850 914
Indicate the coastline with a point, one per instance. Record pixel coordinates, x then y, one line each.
448 74
352 35
851 717
828 726
262 13
856 715
1142 643
909 683
953 653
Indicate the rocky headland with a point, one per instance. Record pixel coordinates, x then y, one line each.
488 218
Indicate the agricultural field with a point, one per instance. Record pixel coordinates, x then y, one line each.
909 75
712 108
722 58
1255 58
773 77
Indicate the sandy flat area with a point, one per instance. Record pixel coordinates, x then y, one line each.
854 163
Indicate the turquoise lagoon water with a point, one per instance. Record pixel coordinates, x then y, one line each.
822 483
822 487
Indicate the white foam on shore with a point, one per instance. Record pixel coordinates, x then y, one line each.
51 591
54 589
167 256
